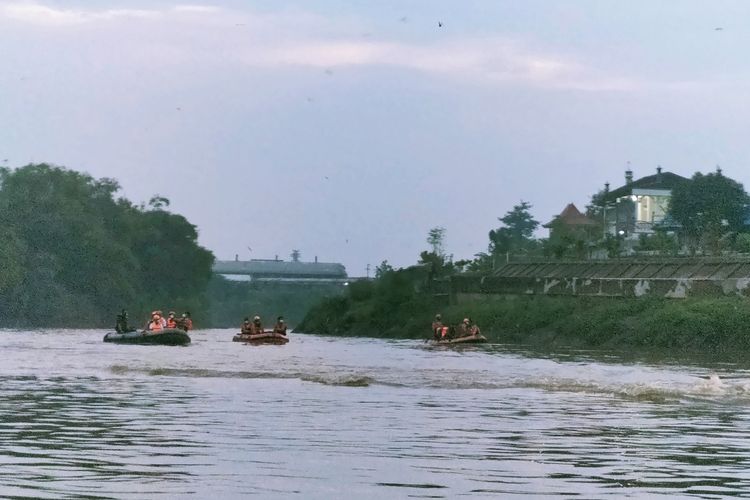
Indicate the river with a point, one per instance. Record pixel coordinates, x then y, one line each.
325 418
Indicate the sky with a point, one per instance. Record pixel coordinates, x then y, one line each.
346 129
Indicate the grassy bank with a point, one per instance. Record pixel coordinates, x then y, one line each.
708 324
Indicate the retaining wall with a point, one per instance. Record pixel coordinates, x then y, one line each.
678 278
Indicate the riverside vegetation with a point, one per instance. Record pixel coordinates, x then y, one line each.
73 254
394 307
710 209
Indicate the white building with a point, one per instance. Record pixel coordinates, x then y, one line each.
640 205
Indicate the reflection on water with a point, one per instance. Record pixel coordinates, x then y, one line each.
361 418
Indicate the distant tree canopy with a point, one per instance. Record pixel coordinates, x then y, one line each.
436 240
517 231
72 255
436 260
383 269
707 206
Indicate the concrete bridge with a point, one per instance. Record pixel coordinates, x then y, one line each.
281 271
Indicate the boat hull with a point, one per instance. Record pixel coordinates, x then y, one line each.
261 338
471 339
168 336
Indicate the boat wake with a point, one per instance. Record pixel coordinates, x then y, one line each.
685 387
345 379
349 380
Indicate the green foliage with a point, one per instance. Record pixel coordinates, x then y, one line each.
383 269
567 241
72 255
230 301
362 290
708 207
437 265
517 230
660 242
390 306
719 326
436 240
597 206
742 243
482 263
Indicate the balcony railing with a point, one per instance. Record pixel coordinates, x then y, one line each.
643 227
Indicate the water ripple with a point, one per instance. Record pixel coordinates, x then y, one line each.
361 418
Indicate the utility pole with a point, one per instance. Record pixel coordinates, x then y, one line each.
368 271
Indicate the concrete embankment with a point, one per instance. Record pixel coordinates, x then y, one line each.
675 278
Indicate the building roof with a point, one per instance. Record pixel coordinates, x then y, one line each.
280 269
660 180
570 216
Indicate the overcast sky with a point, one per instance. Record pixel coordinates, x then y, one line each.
347 129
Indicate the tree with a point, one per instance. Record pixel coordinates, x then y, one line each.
158 202
708 207
567 241
383 269
438 263
436 239
742 243
295 255
517 231
71 254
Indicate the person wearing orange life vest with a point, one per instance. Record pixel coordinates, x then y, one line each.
437 327
156 324
171 321
473 329
162 318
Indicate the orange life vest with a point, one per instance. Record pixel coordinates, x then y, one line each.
155 325
171 323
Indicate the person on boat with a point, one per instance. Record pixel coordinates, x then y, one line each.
121 324
464 329
280 326
257 325
162 318
247 327
187 321
171 321
437 327
156 324
473 328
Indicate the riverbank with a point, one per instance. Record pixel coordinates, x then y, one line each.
718 325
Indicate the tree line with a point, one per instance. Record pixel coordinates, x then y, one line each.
708 214
73 253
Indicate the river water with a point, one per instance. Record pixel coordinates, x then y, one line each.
361 418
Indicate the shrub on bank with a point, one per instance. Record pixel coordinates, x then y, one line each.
707 324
